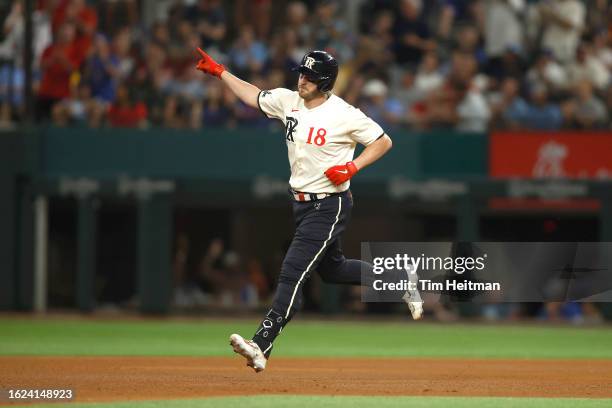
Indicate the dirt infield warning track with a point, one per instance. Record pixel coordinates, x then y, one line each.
151 378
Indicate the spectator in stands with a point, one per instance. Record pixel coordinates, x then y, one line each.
472 111
160 34
455 12
208 17
464 68
83 17
429 83
562 22
375 52
588 67
231 102
377 104
439 107
330 31
12 81
410 96
122 48
297 19
101 72
507 104
150 79
77 110
428 77
540 113
286 51
119 13
353 92
502 28
589 112
547 71
468 41
12 75
247 55
598 16
59 61
276 78
412 34
510 64
183 40
458 106
382 30
12 31
124 112
602 48
42 32
255 12
184 100
215 112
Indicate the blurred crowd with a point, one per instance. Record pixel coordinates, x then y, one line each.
468 65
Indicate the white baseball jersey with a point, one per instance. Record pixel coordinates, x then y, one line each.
318 138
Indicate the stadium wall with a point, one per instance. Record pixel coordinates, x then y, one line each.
160 169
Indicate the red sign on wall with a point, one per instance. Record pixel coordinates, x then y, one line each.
551 155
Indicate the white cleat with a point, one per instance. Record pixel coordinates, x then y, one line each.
416 309
413 297
249 350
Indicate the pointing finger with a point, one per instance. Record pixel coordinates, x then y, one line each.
202 53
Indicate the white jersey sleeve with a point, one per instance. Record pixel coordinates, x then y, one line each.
363 129
273 102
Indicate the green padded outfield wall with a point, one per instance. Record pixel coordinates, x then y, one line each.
238 155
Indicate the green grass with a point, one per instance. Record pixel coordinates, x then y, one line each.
341 402
302 338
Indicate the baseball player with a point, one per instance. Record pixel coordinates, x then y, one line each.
321 132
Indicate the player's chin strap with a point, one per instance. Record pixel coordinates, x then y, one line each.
269 328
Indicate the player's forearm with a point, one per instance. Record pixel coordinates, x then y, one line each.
373 152
245 91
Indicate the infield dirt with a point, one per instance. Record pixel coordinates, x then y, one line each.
151 378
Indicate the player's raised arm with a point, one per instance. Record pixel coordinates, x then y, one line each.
245 91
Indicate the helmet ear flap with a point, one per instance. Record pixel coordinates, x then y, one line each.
325 85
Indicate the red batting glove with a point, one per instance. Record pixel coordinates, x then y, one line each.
342 173
209 65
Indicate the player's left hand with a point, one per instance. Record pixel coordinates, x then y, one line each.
209 65
342 173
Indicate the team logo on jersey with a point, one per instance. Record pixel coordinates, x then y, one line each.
290 125
308 63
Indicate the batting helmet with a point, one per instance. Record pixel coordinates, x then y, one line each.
321 68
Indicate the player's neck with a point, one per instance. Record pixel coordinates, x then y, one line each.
316 101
